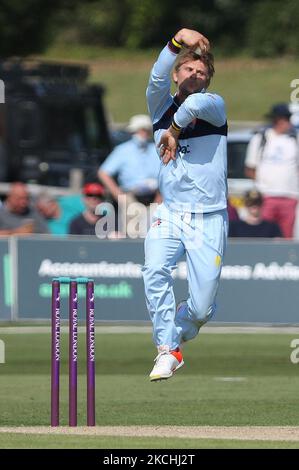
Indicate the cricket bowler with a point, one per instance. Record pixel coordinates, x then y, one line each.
190 132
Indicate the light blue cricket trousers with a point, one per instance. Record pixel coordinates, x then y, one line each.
203 238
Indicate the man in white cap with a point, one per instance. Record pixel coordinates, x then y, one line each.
132 167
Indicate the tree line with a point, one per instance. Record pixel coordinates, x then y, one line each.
262 28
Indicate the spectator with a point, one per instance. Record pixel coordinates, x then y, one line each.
253 225
232 212
17 217
59 212
84 224
134 163
272 160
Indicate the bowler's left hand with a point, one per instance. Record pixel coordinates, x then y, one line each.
168 145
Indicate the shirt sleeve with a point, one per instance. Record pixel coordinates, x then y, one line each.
40 224
253 151
113 162
158 90
207 106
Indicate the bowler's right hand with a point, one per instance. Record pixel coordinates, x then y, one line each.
192 39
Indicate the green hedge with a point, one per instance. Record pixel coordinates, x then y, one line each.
259 27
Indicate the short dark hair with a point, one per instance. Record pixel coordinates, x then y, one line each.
253 198
206 58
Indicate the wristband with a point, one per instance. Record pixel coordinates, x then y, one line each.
176 44
175 126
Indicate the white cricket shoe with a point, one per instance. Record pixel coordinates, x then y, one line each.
166 363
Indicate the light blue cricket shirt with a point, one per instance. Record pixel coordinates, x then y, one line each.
134 163
197 180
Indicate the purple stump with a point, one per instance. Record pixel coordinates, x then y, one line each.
55 353
90 353
73 352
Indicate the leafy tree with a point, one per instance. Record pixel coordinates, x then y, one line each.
274 28
102 22
23 25
261 27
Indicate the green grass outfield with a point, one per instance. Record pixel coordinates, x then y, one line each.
228 380
249 86
15 441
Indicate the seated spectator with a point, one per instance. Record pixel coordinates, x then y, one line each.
17 216
84 224
134 163
253 224
59 212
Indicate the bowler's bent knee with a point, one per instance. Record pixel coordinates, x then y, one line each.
201 313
